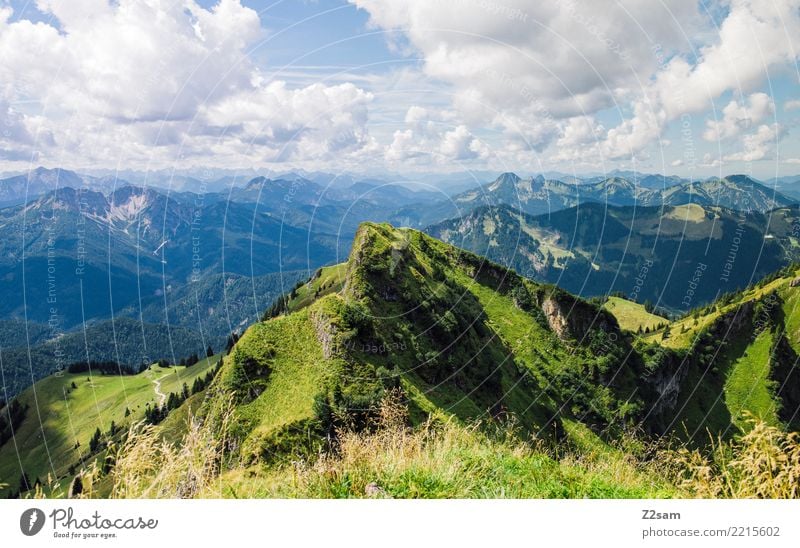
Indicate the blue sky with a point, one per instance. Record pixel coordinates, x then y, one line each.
402 86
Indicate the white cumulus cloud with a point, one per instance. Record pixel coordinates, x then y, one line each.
739 117
159 81
537 71
760 144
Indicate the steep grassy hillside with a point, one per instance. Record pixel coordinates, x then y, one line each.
64 411
416 369
735 359
467 339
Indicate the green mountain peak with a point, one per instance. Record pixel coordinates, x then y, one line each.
458 334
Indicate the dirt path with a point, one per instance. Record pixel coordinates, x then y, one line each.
157 389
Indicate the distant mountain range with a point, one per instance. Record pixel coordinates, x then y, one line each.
537 195
676 257
553 188
18 189
132 244
21 188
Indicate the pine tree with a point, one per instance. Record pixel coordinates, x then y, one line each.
94 443
209 351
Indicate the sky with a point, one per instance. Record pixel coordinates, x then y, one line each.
402 86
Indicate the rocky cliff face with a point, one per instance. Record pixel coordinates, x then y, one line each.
573 319
325 331
556 318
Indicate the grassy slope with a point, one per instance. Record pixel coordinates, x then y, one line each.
299 373
748 388
531 344
506 343
327 280
462 462
791 312
523 352
632 316
685 330
71 415
745 363
449 461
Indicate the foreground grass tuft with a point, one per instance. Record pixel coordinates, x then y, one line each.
443 459
148 466
762 463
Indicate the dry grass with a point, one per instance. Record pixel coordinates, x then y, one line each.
446 459
762 463
147 466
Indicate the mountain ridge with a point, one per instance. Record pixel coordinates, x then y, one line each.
537 195
647 253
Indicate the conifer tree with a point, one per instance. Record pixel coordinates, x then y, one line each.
94 443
